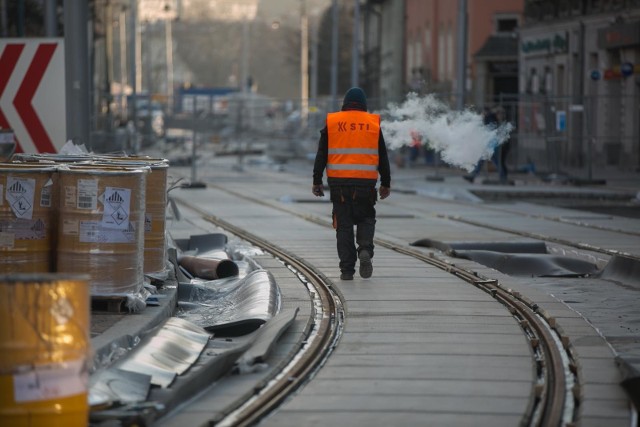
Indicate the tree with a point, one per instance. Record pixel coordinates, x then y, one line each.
345 40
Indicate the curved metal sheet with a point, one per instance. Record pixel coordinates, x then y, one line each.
530 247
114 385
167 351
540 265
622 269
239 308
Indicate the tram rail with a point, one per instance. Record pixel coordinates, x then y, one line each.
553 396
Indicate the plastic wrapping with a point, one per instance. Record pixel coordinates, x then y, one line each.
45 339
155 249
28 197
101 226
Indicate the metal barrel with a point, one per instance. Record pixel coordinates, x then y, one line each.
28 199
155 248
101 226
44 350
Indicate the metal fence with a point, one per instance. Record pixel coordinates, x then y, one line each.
585 133
551 133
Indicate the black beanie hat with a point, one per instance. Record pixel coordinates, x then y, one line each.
355 99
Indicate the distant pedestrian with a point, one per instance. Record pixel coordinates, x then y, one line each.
414 148
490 120
505 147
353 151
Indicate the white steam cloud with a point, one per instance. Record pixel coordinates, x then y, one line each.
460 137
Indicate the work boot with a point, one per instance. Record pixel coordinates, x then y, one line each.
346 276
366 268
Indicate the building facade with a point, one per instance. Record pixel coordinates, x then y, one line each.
579 103
432 44
383 51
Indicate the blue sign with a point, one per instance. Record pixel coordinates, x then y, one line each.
595 75
561 121
626 69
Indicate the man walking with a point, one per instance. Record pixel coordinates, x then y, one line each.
353 151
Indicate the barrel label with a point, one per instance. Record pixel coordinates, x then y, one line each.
1 195
45 194
69 196
19 196
51 381
25 229
7 240
147 222
117 208
95 232
87 194
69 226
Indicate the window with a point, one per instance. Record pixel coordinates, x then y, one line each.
441 54
410 63
560 91
450 52
506 25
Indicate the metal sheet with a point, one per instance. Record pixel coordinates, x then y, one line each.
528 265
167 351
116 386
235 309
267 337
207 242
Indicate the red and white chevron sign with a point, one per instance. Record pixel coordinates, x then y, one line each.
32 93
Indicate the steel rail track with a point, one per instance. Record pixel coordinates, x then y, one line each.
549 406
582 246
493 207
321 340
551 400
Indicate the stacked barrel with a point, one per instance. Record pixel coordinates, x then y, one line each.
103 216
28 223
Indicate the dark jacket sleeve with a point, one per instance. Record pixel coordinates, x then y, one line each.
383 167
321 157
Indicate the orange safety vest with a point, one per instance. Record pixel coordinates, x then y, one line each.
353 144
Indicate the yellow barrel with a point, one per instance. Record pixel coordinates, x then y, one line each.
101 226
155 249
28 198
44 350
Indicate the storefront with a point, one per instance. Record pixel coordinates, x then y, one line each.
579 92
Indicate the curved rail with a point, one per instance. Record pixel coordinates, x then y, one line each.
551 402
322 340
549 405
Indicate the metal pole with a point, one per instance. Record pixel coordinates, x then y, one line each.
314 69
20 18
244 72
149 77
108 65
4 20
169 43
304 65
133 71
462 54
334 54
193 143
355 55
76 15
123 61
592 138
314 61
50 18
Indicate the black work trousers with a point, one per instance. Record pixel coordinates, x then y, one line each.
353 206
